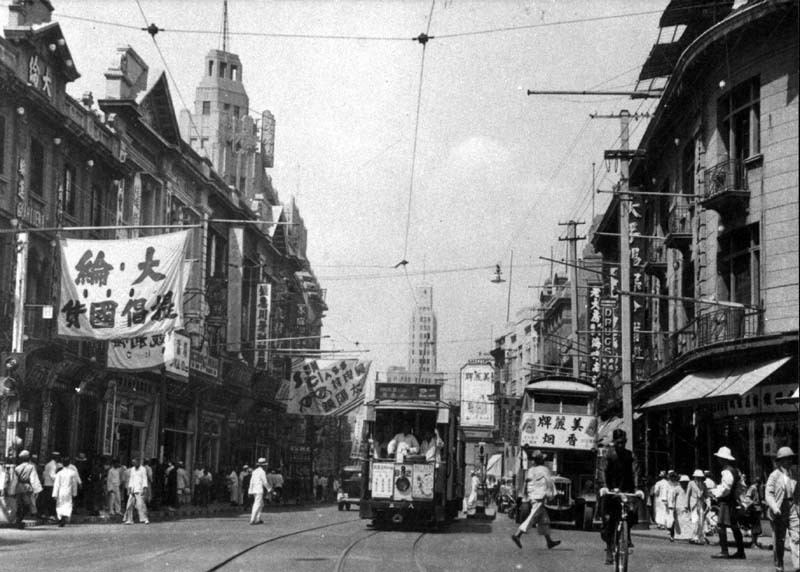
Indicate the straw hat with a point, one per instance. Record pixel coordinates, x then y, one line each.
725 453
784 453
24 454
685 478
698 474
261 461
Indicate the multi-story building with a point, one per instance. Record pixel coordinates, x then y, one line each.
714 244
119 168
422 347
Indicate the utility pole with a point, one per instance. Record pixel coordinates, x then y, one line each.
572 257
625 277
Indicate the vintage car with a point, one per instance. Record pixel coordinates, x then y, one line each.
350 488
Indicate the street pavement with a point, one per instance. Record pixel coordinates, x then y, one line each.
319 538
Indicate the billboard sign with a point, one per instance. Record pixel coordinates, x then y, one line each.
477 384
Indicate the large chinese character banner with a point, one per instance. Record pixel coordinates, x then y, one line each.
324 387
114 289
557 431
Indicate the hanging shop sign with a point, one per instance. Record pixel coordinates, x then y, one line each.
610 361
150 353
202 363
114 289
477 384
263 309
595 333
554 431
324 387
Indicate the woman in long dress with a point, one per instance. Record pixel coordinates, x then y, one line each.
233 486
65 488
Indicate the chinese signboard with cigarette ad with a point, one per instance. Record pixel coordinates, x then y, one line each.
114 289
558 431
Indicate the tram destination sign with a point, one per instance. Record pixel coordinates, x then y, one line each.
407 391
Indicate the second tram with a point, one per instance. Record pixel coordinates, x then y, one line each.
559 418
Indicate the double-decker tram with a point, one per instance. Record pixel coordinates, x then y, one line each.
559 418
413 471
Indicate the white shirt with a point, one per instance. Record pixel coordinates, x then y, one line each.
402 445
49 473
258 482
137 481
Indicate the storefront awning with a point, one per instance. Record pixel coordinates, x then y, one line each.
715 384
495 465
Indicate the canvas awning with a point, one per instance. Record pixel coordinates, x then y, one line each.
715 384
495 465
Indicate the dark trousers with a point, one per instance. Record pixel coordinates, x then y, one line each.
737 537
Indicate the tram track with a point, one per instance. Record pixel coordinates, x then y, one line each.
233 557
341 562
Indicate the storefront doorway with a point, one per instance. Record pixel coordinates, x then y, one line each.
129 442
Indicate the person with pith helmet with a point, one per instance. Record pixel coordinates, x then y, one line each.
782 497
727 492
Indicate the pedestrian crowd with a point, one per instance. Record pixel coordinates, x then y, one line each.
51 492
699 507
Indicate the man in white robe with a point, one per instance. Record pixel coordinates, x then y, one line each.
65 488
660 490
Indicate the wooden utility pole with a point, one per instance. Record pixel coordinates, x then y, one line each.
572 257
625 278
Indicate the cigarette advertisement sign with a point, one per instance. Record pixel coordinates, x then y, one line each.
113 289
558 431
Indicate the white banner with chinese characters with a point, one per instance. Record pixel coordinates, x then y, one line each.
263 309
324 387
477 384
558 431
114 289
149 353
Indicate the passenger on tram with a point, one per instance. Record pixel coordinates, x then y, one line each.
380 446
432 446
404 443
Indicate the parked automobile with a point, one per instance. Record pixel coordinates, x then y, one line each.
350 488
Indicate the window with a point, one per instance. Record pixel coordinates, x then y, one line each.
687 166
223 68
203 142
68 190
206 108
97 206
739 265
236 111
2 144
234 72
211 67
36 169
226 107
740 126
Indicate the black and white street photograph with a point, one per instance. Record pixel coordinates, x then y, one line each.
399 285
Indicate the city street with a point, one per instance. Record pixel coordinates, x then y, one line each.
320 539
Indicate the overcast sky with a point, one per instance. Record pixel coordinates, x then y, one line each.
496 170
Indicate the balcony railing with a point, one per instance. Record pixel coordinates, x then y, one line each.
724 181
723 325
679 225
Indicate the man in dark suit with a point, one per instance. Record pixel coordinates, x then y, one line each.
619 476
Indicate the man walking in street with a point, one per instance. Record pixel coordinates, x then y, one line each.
137 489
113 482
540 486
696 505
782 498
727 493
660 490
258 486
28 487
65 489
47 504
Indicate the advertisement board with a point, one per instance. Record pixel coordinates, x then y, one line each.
477 384
558 431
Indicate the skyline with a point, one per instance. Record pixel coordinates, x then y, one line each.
485 182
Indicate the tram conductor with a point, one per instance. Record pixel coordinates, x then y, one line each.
404 443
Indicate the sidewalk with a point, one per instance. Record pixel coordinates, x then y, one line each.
186 511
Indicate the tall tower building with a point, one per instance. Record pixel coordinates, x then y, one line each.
220 126
422 335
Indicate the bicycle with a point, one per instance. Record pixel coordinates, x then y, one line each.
622 532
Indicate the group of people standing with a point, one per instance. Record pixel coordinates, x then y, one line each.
735 503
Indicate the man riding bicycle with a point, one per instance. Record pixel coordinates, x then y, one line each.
619 476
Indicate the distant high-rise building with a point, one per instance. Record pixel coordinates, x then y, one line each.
422 334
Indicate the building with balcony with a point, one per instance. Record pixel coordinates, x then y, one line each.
715 193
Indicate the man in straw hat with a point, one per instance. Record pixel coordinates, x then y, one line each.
258 485
539 488
727 492
782 498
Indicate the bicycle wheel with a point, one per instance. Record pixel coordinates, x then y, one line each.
621 556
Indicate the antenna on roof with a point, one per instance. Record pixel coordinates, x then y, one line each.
224 25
